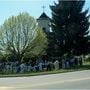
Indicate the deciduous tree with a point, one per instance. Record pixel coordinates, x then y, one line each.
21 36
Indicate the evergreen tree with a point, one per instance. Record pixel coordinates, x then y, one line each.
70 25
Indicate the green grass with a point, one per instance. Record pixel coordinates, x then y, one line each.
38 73
86 66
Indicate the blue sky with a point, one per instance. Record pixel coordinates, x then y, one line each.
33 7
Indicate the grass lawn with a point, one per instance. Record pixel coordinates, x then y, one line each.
86 66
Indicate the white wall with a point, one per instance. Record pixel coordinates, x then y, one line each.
44 23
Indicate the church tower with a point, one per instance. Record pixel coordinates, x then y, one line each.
44 22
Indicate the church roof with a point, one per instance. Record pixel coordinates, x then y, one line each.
43 16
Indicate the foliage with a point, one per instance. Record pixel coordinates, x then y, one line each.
20 35
71 26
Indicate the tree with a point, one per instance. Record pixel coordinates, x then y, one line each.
53 50
21 36
71 26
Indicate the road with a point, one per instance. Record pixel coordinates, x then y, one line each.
72 80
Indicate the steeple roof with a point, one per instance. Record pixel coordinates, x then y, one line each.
43 16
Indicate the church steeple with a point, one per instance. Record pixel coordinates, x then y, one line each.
44 21
43 16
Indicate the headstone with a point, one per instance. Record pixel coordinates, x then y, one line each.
30 68
56 65
8 68
15 68
40 66
22 68
63 63
1 68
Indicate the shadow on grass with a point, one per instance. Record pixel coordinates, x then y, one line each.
86 67
83 67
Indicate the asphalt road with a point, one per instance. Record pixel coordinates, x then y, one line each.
72 80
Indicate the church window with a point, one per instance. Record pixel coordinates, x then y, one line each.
44 28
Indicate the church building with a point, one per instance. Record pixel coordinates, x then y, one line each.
44 22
